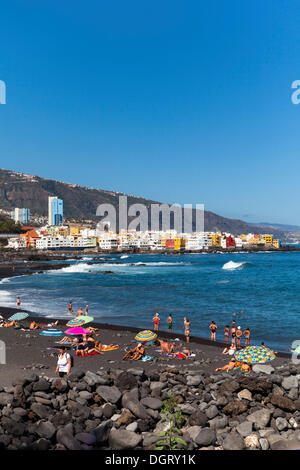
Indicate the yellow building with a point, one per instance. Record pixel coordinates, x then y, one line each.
74 230
177 243
276 243
268 239
216 239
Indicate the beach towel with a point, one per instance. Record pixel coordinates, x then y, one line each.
146 358
94 353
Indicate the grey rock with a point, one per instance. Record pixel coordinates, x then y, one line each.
281 424
120 439
263 368
233 442
102 431
245 428
264 444
211 412
110 394
131 402
45 429
290 382
260 418
153 403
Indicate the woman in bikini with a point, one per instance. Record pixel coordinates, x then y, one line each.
213 330
239 335
226 333
233 332
187 330
230 366
246 334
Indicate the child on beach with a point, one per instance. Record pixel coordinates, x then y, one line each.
18 302
156 321
213 330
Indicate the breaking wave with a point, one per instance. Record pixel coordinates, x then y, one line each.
232 265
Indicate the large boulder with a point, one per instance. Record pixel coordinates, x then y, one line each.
290 382
235 408
120 439
260 418
282 402
110 394
233 442
131 402
126 381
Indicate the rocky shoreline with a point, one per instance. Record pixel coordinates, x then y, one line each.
119 410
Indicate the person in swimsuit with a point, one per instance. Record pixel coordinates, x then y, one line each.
156 321
70 308
33 325
246 334
233 331
86 309
230 350
226 333
239 335
213 330
230 366
79 312
18 302
187 330
170 322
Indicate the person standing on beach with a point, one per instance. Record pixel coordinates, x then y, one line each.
70 308
213 330
233 331
79 312
170 322
239 335
226 333
156 321
246 334
18 302
63 363
187 331
86 310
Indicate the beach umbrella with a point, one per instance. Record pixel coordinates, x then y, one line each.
145 335
51 332
75 322
85 319
77 330
18 316
255 354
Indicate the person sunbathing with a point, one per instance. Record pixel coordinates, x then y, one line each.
91 329
230 366
230 350
33 325
7 324
165 347
135 353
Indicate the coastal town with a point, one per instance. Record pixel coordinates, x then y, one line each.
56 234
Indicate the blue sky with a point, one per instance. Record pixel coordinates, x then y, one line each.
185 102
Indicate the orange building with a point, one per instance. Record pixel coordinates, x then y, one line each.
30 238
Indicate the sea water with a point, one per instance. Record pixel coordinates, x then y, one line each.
203 287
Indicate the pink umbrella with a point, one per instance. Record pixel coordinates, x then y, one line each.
77 330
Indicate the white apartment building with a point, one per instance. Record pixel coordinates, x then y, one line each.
17 243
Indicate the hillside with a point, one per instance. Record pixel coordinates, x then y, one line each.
80 202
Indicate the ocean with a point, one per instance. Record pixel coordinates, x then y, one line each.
203 287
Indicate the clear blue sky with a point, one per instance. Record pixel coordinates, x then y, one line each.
177 101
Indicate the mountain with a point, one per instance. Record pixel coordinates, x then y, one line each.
80 202
284 227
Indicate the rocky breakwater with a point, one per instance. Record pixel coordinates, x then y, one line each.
118 410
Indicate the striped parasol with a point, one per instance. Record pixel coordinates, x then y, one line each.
255 354
51 332
75 322
18 316
145 335
85 319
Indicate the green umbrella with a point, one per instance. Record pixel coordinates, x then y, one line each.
85 319
18 316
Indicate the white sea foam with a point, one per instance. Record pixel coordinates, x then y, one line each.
232 265
84 267
124 256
